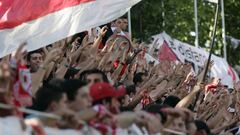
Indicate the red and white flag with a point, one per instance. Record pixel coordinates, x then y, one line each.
42 22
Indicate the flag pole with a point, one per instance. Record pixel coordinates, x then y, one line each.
129 24
210 53
196 23
163 15
223 31
212 42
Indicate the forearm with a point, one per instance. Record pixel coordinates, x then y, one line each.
103 61
212 122
62 70
86 67
87 115
38 77
219 129
158 80
49 70
204 115
95 46
186 101
76 56
135 101
149 82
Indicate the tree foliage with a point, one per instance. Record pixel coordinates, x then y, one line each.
147 20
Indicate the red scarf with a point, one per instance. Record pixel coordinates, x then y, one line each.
99 125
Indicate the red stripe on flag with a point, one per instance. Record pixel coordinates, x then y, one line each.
231 73
165 53
16 12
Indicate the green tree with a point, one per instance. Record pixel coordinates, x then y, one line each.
147 20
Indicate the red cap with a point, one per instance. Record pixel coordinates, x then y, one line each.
100 91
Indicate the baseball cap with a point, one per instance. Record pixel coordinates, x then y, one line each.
103 90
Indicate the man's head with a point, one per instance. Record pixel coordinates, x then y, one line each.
35 59
50 98
118 23
156 110
107 95
178 124
124 25
93 76
77 94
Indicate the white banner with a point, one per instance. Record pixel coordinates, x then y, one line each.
197 56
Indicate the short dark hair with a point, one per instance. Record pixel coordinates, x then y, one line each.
84 74
138 77
45 95
202 126
56 82
71 87
131 89
171 101
123 17
156 109
32 52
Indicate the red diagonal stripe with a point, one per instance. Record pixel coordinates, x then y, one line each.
16 12
165 53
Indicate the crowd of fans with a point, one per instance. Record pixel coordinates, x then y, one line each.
99 82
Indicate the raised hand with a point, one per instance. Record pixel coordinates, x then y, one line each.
53 55
103 31
20 53
189 77
5 72
85 41
68 119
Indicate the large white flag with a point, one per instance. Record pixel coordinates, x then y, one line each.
42 22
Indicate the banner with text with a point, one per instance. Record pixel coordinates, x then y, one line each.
196 56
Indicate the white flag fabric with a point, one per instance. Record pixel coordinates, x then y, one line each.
197 56
43 22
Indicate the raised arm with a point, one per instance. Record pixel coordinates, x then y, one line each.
96 44
38 77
